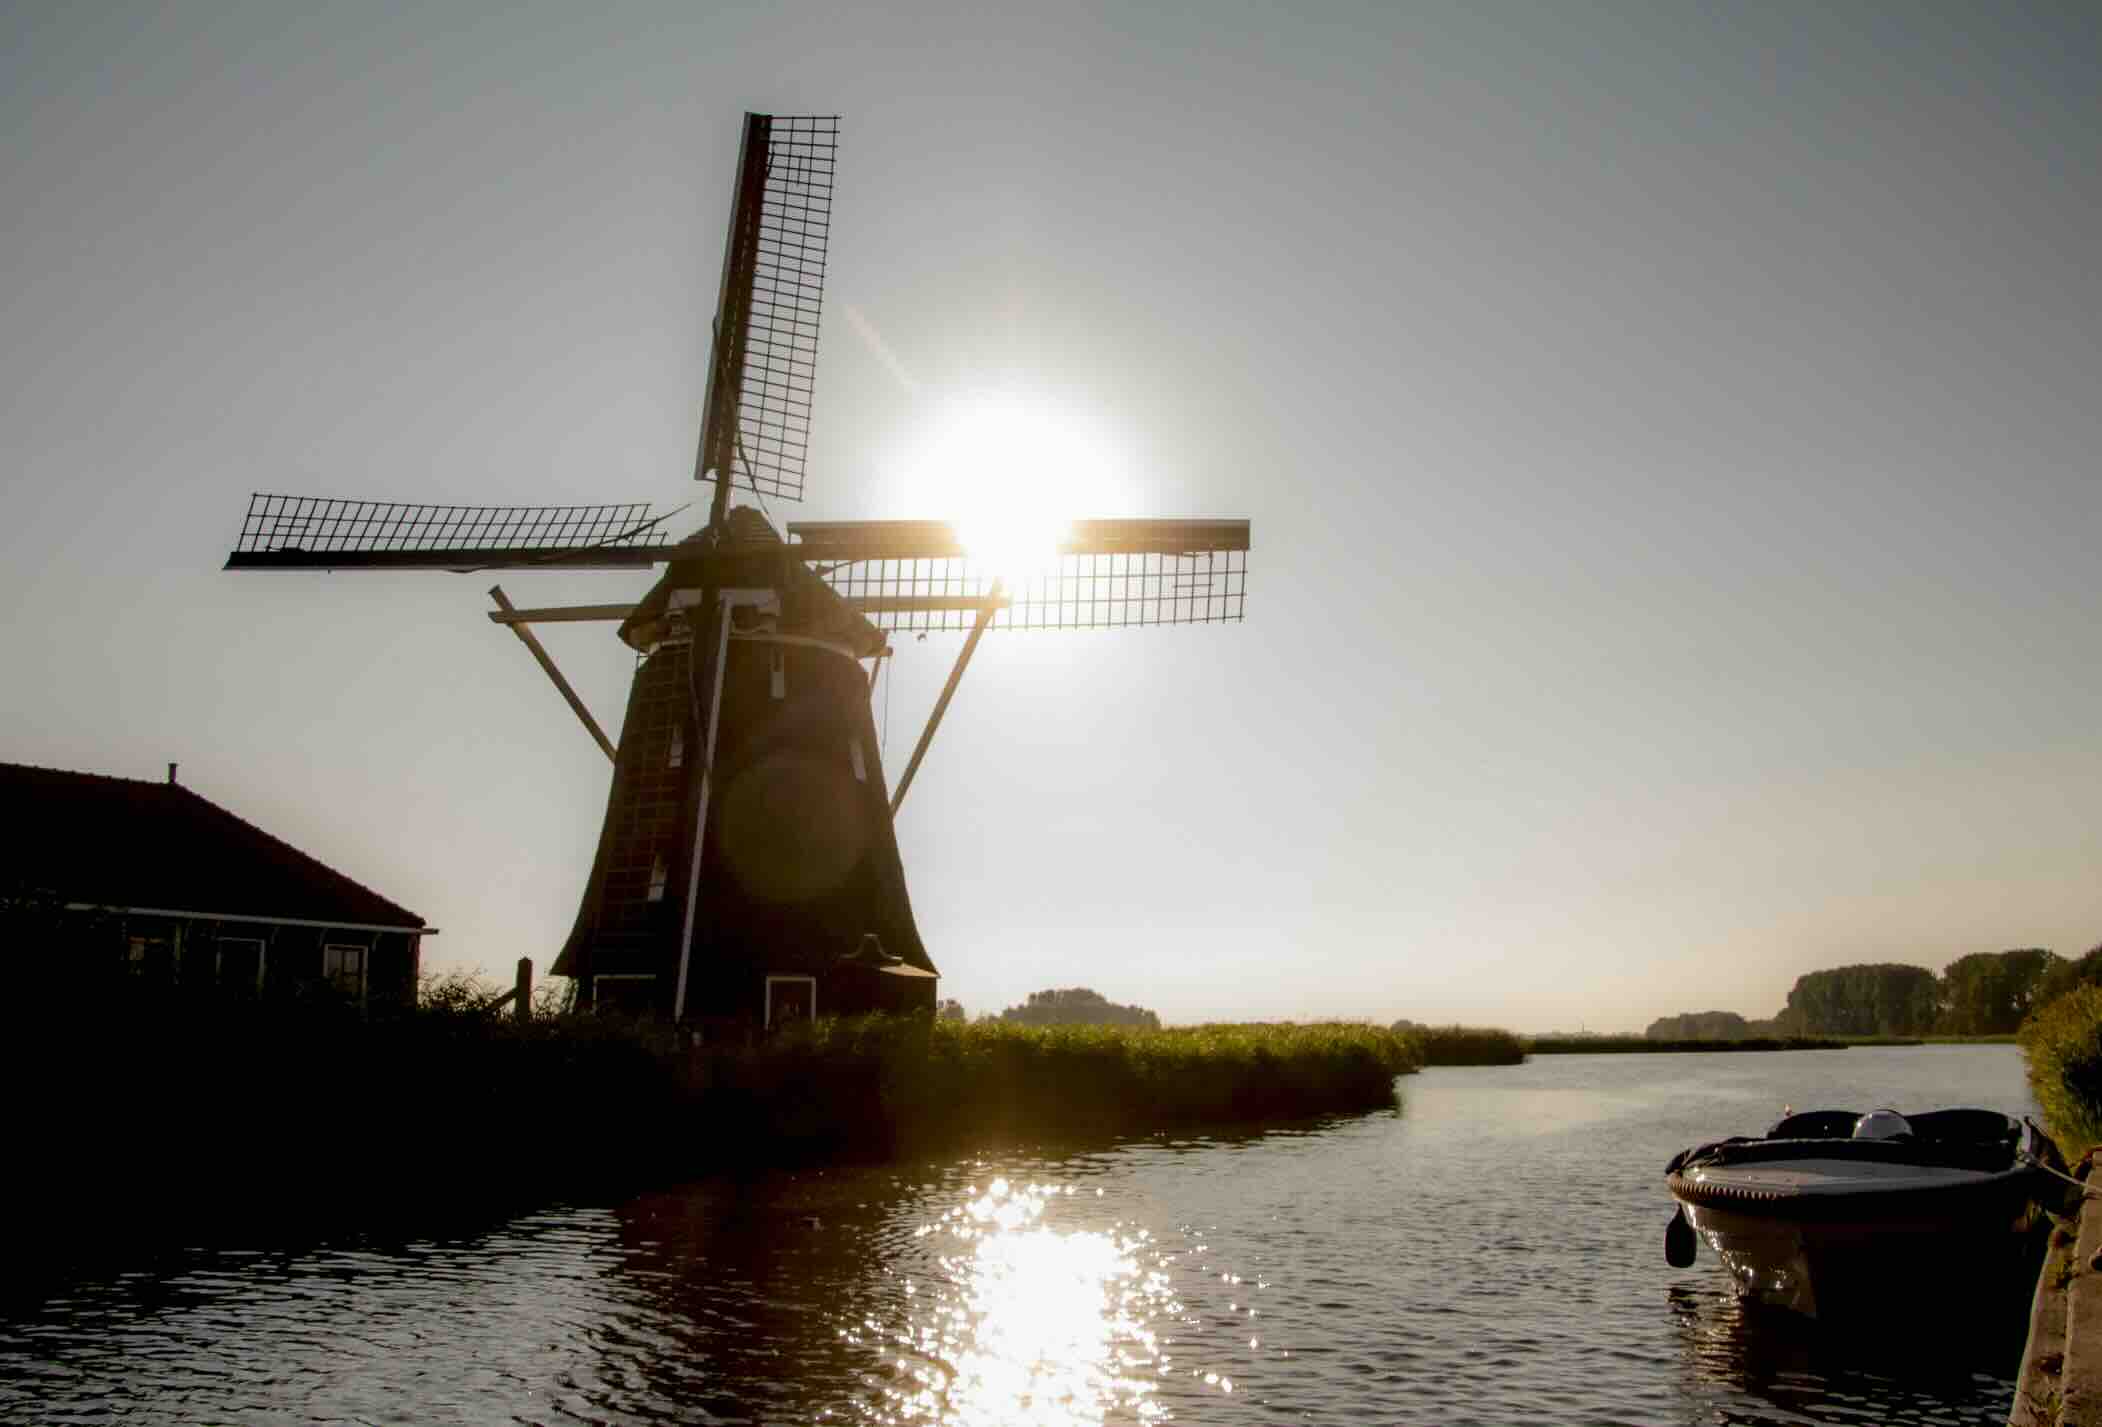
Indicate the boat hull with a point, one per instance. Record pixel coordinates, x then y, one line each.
1850 1270
1882 1216
1867 1253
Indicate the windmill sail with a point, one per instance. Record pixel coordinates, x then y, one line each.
748 867
287 532
914 575
756 427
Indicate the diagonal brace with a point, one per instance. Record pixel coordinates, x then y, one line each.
526 637
986 611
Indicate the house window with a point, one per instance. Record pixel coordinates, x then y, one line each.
344 968
150 958
241 964
678 745
658 877
196 961
778 676
861 767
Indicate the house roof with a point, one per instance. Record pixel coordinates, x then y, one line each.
126 842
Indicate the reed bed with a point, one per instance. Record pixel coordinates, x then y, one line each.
312 1115
1873 1041
2062 1044
1467 1045
1640 1045
885 1082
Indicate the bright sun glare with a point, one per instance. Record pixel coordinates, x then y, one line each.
1012 472
1028 1326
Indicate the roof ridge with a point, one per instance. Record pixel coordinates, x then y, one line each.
307 857
98 777
65 786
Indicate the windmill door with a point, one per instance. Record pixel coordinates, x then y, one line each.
790 999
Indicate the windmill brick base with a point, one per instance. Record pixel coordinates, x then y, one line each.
799 863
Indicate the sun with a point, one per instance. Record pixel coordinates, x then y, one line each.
1011 472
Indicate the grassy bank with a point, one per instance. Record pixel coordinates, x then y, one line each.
2062 1044
313 1115
1641 1045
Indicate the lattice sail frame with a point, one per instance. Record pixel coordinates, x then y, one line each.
1110 575
772 301
295 531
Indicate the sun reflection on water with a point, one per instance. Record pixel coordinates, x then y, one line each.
1030 1324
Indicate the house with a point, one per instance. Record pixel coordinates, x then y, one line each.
151 882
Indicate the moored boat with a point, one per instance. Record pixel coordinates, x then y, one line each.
1831 1212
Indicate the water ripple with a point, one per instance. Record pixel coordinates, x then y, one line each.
1489 1256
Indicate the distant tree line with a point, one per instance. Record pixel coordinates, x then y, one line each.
1078 1006
1985 993
1705 1026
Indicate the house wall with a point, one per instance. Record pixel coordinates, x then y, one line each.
209 955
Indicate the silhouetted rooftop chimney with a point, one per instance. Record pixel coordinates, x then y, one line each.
171 774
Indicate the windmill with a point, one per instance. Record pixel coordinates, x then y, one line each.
747 869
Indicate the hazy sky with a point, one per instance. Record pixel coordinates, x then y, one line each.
1670 433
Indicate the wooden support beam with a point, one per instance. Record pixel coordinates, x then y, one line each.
716 669
941 705
526 637
866 604
560 614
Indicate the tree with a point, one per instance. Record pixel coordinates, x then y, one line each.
1989 992
1078 1006
1869 999
1699 1026
2062 976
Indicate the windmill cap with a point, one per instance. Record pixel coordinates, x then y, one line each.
749 554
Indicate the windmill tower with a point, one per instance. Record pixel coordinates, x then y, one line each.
747 870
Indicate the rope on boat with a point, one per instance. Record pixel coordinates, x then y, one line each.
2080 1184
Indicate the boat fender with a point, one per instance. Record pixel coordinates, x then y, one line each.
1678 1241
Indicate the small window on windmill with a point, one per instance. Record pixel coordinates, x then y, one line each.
678 745
780 674
861 767
658 877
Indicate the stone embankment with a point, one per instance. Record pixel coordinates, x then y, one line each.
2061 1379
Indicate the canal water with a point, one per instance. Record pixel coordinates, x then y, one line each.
1490 1253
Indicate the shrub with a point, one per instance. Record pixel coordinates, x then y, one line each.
2062 1044
1077 1006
